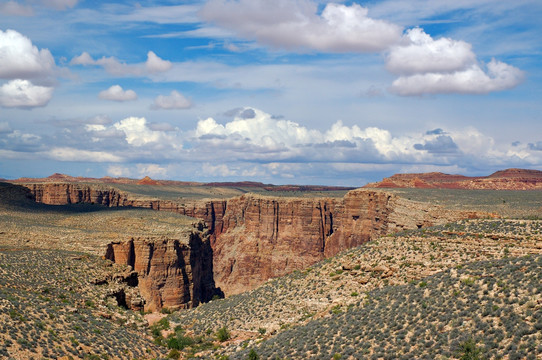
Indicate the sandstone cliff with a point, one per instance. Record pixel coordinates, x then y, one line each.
171 273
253 238
264 237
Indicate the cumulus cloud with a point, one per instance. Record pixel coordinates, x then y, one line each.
20 59
260 129
154 64
15 9
137 132
254 143
265 140
499 76
428 66
24 65
117 93
297 25
442 144
420 53
83 59
100 132
24 94
174 100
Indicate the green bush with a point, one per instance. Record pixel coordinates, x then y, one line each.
253 355
223 334
174 354
470 351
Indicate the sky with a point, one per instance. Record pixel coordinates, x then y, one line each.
282 91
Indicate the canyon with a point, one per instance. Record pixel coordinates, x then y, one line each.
245 240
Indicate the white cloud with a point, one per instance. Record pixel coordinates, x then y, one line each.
113 66
24 94
155 64
219 170
474 80
265 140
16 9
77 155
175 100
118 171
296 25
419 53
83 59
140 170
152 170
19 59
117 93
137 132
429 66
260 130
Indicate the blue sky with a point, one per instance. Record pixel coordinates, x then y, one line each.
297 91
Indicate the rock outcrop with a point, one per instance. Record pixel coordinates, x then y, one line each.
254 238
265 237
509 179
171 273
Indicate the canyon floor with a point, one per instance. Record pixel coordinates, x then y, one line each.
470 289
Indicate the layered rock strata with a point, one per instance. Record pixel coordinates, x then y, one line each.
264 237
171 273
254 238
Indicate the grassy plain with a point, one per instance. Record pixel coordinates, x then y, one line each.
507 203
78 227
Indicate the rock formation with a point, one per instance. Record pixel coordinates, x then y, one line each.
510 179
171 273
254 238
264 237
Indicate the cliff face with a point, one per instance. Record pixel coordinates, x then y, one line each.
170 273
253 238
264 237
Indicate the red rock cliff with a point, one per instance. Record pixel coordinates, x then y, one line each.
170 273
254 238
264 237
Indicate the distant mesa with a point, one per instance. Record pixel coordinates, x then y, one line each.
247 185
147 181
509 179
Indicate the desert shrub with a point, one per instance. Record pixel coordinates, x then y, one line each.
470 351
223 334
174 354
253 355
